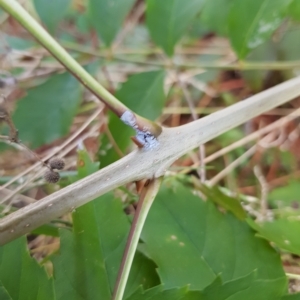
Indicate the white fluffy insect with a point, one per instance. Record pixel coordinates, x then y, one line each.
144 137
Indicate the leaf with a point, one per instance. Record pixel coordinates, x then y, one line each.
168 20
286 195
215 14
3 293
291 297
52 12
142 272
144 94
256 78
196 242
107 16
283 232
252 22
19 43
158 293
47 112
241 288
20 274
47 229
227 202
294 10
90 256
288 44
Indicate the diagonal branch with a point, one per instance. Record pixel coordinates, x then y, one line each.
140 164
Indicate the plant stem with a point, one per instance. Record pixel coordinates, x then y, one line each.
13 8
144 204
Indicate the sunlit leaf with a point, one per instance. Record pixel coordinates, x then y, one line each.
167 20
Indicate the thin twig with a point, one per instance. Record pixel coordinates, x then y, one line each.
58 149
39 172
255 135
189 100
264 193
113 142
218 64
232 166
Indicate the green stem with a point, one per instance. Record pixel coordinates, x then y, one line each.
144 204
13 8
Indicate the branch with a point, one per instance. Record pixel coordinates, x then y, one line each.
140 164
48 42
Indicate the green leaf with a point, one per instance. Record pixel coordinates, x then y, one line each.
291 297
215 14
158 293
52 12
252 22
142 273
19 43
47 229
47 112
294 10
227 202
144 94
3 293
107 17
167 20
90 256
20 274
284 233
289 43
286 195
196 242
256 78
241 288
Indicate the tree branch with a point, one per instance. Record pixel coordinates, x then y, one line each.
140 164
